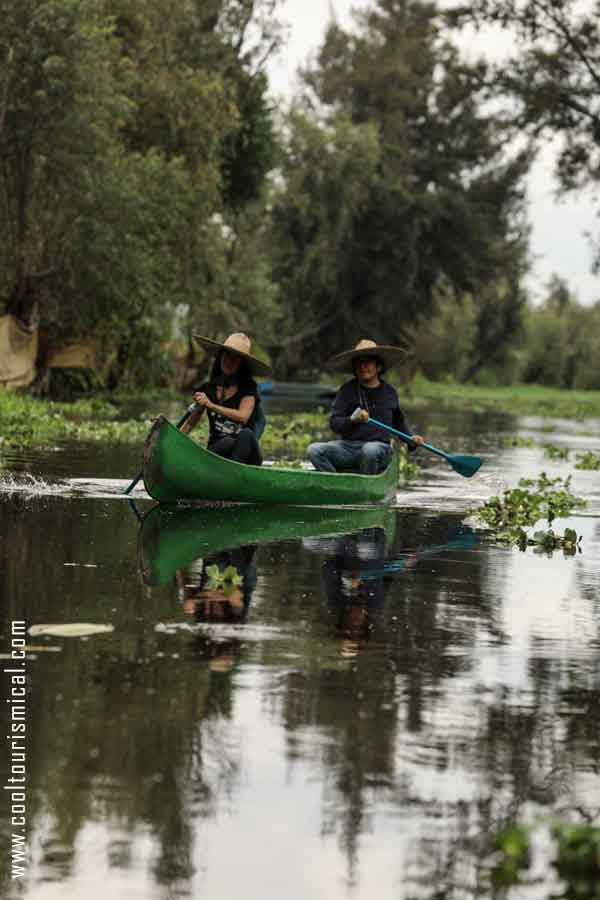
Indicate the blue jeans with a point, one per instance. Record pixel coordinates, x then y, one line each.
368 457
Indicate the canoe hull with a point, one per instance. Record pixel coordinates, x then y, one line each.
176 469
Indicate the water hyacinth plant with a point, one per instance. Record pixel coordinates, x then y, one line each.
530 502
576 858
589 461
553 452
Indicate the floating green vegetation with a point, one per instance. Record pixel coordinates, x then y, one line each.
27 422
289 435
576 859
588 460
553 452
528 503
227 580
517 440
513 846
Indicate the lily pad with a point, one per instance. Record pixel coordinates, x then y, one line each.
70 629
41 648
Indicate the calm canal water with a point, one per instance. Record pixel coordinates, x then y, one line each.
352 716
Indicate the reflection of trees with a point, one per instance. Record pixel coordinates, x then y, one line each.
588 573
123 733
407 706
359 705
119 731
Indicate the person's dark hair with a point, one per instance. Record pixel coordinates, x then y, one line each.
243 375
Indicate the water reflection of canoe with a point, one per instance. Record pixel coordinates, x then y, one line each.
172 538
176 468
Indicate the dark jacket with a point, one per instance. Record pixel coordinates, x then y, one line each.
381 403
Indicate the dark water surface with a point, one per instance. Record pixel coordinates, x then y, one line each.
373 696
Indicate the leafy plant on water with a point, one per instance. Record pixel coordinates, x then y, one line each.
517 440
226 580
589 461
513 845
554 452
531 501
576 859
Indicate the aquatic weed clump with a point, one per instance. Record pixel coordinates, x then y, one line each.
575 859
554 452
531 501
28 422
589 461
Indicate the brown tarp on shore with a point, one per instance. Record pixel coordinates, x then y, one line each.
72 356
18 352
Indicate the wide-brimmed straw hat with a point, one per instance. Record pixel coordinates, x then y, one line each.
344 362
238 343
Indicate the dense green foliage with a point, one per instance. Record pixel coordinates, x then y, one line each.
151 191
133 139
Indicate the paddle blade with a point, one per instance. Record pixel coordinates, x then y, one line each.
465 465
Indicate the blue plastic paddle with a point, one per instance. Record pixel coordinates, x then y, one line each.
464 465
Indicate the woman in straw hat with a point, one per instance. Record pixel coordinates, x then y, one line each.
362 446
231 399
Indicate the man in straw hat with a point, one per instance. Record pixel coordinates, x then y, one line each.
231 399
362 446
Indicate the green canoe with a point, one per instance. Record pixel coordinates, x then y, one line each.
172 538
176 468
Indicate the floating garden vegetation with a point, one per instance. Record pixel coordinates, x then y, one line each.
531 501
553 452
517 440
576 859
26 422
226 581
588 460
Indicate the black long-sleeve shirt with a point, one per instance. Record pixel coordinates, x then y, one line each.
381 402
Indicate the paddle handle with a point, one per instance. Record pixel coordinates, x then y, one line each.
183 419
407 437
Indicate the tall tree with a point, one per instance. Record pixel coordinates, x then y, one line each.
57 99
132 141
554 75
444 201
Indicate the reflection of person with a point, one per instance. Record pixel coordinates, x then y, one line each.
231 400
351 597
362 445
